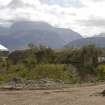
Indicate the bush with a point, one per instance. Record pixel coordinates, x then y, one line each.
41 71
54 71
101 72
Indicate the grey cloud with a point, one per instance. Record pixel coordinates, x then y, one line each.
64 3
98 0
93 22
14 4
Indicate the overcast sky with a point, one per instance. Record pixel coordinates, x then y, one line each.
84 16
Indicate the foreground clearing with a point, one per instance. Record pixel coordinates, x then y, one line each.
67 96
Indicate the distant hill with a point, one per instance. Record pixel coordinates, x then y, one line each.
21 33
68 35
98 40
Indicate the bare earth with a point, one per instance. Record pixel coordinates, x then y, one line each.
68 96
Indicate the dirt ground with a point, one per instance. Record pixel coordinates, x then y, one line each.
67 96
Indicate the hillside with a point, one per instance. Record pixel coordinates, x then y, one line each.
21 33
99 41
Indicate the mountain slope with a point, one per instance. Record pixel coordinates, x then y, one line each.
99 41
21 33
68 35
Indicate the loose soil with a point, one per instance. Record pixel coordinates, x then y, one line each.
88 95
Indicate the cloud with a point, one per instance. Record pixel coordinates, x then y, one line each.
84 16
4 2
35 10
64 3
98 0
97 22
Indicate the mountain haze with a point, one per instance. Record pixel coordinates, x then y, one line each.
98 40
21 33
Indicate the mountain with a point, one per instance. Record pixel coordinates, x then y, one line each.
4 31
21 33
68 35
98 40
100 35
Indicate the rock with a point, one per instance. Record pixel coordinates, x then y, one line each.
103 93
36 84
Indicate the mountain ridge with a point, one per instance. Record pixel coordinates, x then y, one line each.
22 33
98 40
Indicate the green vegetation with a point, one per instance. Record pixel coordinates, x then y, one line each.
69 65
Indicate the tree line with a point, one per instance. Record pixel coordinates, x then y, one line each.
67 64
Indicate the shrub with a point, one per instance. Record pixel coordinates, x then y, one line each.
101 72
